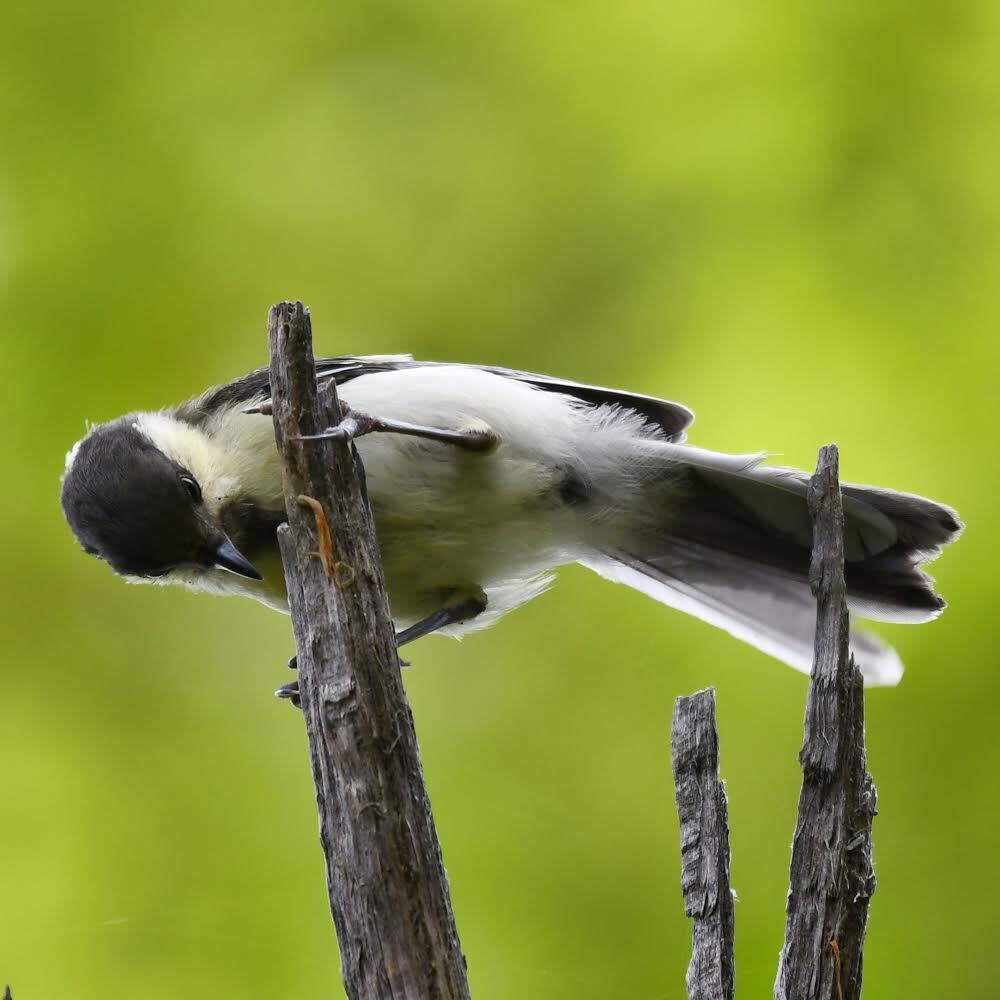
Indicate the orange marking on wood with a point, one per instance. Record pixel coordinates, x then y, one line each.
835 953
338 572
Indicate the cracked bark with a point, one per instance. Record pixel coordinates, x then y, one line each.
385 878
704 825
831 876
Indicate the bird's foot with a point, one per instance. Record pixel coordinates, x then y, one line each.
355 424
290 692
462 610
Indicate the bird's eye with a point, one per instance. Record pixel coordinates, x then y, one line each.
191 485
156 572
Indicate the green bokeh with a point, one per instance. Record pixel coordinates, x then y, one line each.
786 217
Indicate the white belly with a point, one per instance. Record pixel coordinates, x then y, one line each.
449 521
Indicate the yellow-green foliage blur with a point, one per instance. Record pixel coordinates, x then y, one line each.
787 218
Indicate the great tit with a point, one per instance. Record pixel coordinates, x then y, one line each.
483 480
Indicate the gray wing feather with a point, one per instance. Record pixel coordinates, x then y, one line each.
764 606
672 418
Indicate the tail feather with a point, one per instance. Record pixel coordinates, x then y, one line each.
761 513
923 527
734 548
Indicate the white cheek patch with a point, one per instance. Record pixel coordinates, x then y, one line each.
190 448
233 456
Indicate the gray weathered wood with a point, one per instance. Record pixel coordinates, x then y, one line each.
831 878
704 822
386 881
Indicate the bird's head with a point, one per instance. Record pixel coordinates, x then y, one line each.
132 500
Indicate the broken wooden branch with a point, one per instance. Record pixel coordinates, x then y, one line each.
704 823
831 878
385 878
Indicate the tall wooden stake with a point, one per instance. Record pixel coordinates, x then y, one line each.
704 819
831 879
386 881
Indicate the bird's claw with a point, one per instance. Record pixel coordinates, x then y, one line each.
290 692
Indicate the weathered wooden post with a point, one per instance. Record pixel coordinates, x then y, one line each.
831 878
704 820
386 881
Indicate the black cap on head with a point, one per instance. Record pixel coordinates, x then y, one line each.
126 502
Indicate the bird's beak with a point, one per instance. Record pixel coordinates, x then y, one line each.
227 556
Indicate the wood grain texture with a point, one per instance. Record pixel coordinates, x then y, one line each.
831 877
704 825
386 881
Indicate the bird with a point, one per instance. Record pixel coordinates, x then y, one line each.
484 480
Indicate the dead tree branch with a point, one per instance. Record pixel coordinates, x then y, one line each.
831 879
704 822
386 882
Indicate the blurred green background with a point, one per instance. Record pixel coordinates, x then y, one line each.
786 217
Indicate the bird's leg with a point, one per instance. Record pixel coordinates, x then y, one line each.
354 424
461 611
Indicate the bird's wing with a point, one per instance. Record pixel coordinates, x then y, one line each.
672 418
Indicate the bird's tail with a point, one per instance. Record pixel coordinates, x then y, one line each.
733 548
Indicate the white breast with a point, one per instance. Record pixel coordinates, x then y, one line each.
448 520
